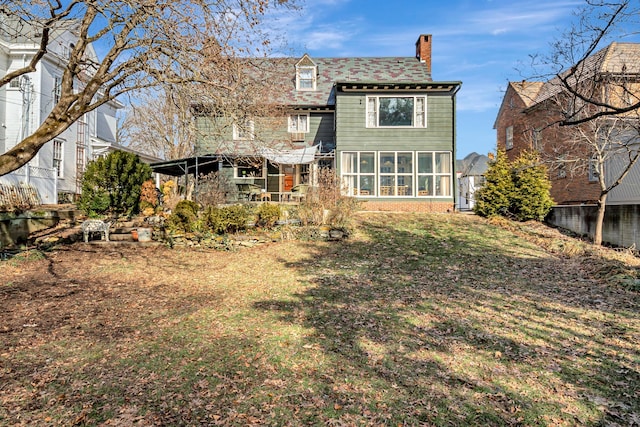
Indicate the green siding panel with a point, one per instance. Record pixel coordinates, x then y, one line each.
215 133
353 135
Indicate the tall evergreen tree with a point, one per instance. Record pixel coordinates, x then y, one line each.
531 198
494 197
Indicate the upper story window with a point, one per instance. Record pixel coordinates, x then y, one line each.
57 87
306 72
509 138
299 123
243 131
397 111
57 157
536 139
594 173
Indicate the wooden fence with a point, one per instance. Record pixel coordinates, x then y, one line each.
17 197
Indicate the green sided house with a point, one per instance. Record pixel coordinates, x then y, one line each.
383 124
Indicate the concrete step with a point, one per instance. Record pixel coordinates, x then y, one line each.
121 237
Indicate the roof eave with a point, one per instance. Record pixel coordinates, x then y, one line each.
449 86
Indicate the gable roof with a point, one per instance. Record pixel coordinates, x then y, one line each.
526 91
615 59
332 70
473 164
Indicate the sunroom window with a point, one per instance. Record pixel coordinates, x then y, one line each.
396 174
359 173
434 174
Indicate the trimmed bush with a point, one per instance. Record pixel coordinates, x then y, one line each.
228 219
267 215
494 197
184 216
532 198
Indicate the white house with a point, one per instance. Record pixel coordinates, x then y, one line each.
470 172
25 102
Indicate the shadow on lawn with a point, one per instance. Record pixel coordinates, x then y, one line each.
453 325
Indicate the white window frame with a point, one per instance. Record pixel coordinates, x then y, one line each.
238 167
353 178
295 121
397 175
244 133
436 175
299 77
440 181
57 89
508 143
15 83
57 157
373 111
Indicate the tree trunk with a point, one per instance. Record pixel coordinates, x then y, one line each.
597 235
27 149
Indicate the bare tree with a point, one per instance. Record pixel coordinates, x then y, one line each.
146 43
160 124
569 67
587 112
603 150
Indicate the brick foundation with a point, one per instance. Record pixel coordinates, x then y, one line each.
407 206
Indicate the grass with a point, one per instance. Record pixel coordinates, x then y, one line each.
414 320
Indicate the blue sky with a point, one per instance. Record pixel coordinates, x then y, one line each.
483 43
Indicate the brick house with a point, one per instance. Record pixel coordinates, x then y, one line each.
383 124
527 121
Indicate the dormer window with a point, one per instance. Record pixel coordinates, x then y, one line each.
306 71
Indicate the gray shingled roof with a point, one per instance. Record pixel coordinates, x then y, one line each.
356 70
617 58
473 164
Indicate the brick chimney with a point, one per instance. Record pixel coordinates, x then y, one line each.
423 50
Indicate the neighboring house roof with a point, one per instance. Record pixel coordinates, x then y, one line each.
356 70
617 58
473 164
13 30
526 91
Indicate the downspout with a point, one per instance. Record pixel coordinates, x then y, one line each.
195 196
456 196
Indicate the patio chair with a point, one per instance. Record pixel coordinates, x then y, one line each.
299 192
248 191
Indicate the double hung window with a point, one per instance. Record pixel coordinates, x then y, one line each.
299 123
306 78
57 157
243 131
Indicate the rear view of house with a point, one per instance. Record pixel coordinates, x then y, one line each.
383 124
